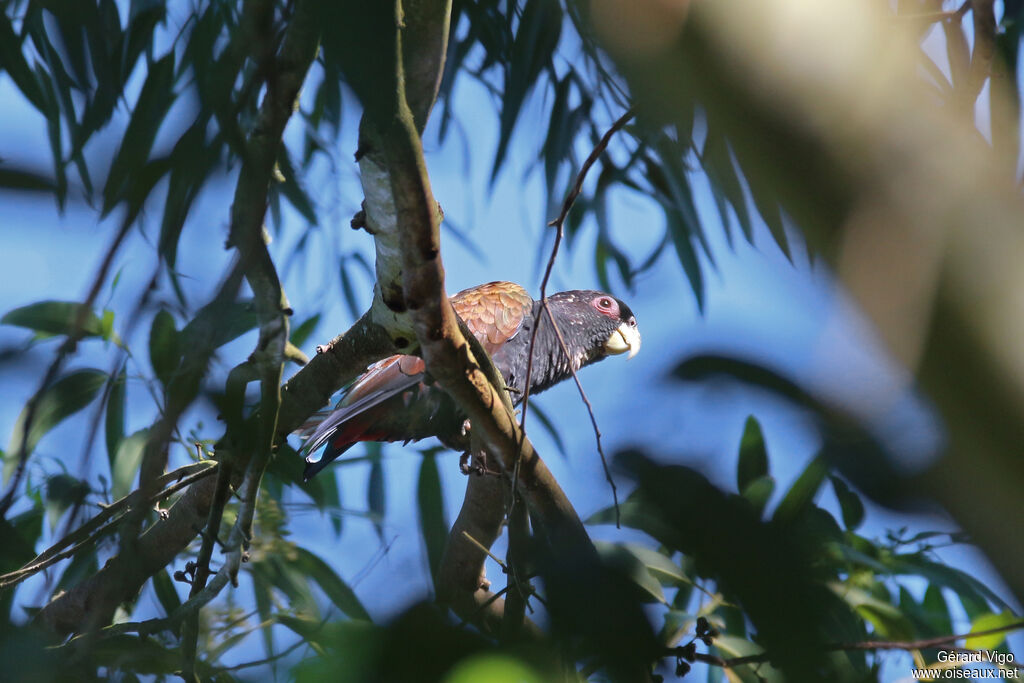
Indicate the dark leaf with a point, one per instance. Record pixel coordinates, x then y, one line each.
164 347
375 489
849 503
753 460
339 592
801 495
433 524
163 586
12 61
63 398
150 109
218 323
14 179
114 427
536 38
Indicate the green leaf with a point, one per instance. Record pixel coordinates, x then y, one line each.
302 332
218 323
26 181
759 492
12 61
801 495
987 622
849 503
532 48
661 567
150 109
114 426
375 498
164 347
55 317
163 586
64 398
62 492
127 462
621 559
339 592
753 460
433 525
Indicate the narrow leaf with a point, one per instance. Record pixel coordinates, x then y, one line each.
433 525
127 462
55 317
753 460
339 592
164 347
64 398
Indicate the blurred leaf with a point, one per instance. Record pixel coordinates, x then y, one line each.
293 190
801 495
127 462
540 26
164 347
888 620
987 622
114 427
163 586
549 427
63 398
492 668
62 492
623 560
759 492
753 460
433 524
849 503
375 488
12 61
55 317
339 592
302 331
218 323
83 564
25 181
687 256
968 588
150 109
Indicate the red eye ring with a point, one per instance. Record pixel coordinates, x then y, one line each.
606 305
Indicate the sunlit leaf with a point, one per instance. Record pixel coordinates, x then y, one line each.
987 622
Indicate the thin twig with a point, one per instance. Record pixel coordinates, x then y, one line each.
481 546
95 529
924 644
559 225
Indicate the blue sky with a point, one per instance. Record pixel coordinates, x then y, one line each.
791 316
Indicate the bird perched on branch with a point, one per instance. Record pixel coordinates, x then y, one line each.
394 400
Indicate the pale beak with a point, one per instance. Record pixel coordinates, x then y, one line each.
625 338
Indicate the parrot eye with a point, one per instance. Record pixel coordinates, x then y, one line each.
606 305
